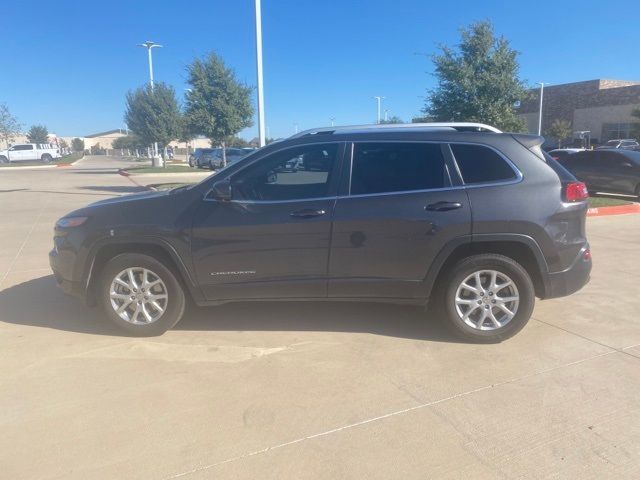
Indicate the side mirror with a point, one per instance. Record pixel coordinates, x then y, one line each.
221 191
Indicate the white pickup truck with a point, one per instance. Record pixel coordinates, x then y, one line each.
29 151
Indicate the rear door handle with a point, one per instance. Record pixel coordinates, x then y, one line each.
443 206
307 213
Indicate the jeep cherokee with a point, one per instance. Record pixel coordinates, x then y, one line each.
471 221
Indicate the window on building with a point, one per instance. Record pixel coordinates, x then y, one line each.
480 164
613 131
397 167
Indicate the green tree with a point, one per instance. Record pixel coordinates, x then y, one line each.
392 120
560 130
422 119
77 145
128 142
9 126
38 134
477 81
153 114
218 105
237 142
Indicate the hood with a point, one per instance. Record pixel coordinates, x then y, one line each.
135 197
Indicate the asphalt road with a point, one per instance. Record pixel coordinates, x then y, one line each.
306 390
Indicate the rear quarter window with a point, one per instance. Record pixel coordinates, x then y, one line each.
480 164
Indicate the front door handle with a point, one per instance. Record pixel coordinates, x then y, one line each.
443 206
307 213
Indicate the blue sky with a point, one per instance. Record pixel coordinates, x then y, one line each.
70 65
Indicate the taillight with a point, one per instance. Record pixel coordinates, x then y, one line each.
575 192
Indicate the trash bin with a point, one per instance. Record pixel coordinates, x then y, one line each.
157 161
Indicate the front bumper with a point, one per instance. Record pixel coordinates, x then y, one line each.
68 286
561 284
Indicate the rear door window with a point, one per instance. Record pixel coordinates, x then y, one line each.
480 164
397 167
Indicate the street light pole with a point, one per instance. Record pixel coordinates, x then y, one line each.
379 101
261 126
332 120
540 113
149 45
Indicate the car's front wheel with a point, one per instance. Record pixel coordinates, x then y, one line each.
141 295
487 298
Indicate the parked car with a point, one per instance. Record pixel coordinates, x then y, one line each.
473 224
195 157
23 152
611 171
624 143
561 153
213 159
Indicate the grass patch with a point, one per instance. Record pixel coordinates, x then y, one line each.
597 202
167 186
67 159
167 169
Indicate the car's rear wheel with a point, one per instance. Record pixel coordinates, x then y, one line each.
141 295
487 298
46 158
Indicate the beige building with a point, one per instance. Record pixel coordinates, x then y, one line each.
601 107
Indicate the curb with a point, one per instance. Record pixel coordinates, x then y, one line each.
29 167
127 175
615 210
178 174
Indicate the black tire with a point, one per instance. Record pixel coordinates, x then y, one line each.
467 266
46 158
175 302
3 159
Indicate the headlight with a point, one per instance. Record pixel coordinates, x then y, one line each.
70 222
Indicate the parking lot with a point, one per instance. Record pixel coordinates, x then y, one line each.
306 390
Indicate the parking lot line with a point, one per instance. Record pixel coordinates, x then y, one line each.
388 415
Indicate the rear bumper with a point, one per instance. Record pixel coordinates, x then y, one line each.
561 284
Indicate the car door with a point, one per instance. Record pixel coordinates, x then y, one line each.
397 213
16 153
271 239
620 173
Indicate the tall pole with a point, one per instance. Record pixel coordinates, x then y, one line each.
379 101
150 67
261 126
332 120
149 45
540 113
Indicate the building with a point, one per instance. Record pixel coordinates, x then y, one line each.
601 107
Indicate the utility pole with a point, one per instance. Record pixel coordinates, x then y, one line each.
149 45
332 120
261 126
379 101
540 112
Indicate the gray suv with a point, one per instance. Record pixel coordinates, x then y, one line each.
462 218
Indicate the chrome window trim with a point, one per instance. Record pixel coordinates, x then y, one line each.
290 147
513 167
518 179
353 149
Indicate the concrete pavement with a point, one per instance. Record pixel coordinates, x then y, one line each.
306 390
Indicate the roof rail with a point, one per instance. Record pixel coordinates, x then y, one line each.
460 126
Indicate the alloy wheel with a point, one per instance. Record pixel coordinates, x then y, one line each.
487 300
138 296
